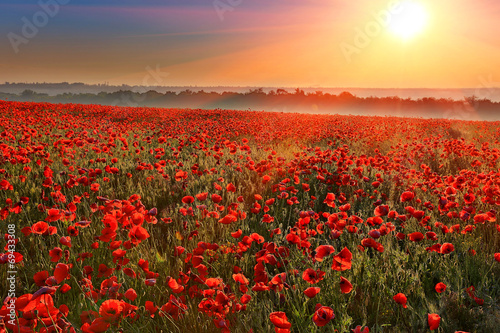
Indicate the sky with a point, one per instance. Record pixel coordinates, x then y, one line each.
268 43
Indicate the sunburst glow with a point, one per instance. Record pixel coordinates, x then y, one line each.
409 21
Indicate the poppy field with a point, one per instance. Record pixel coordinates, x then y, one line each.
176 220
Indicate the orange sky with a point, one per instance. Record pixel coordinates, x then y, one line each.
260 43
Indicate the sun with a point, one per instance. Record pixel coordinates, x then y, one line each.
409 20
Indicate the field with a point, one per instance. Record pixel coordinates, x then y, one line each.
170 220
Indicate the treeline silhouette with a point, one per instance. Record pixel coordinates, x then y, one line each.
470 108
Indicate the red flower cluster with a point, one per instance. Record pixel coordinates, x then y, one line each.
259 211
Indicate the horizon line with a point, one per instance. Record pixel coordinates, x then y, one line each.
247 86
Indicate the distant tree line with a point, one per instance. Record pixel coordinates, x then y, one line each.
470 108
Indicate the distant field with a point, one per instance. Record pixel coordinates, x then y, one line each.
177 220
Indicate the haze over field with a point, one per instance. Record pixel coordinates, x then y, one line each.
53 89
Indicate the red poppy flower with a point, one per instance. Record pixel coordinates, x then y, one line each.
323 315
381 210
39 228
174 285
323 251
212 282
237 234
271 201
245 299
88 316
130 272
400 236
137 219
312 276
65 288
150 282
267 218
137 234
180 175
179 250
446 248
479 301
151 308
416 236
434 320
280 320
131 294
94 187
188 199
202 196
5 185
312 291
40 278
228 219
55 254
330 200
230 187
345 285
400 299
216 198
440 287
342 261
144 265
65 240
111 310
374 233
360 329
345 207
431 236
61 272
407 196
53 215
240 278
99 325
26 230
